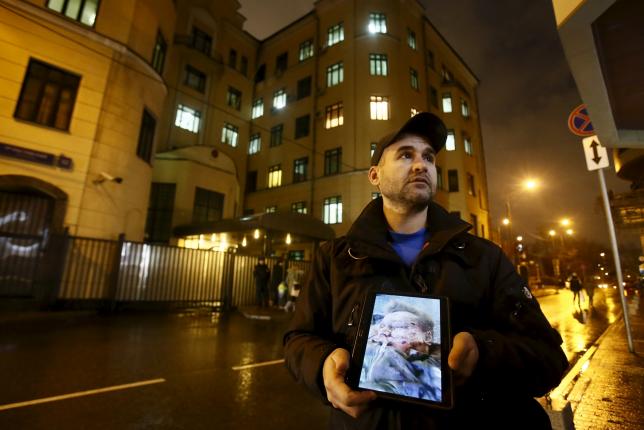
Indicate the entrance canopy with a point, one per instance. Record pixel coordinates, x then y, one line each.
301 225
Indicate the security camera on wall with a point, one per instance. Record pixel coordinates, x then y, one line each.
102 177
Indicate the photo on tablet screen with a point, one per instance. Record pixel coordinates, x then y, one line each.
403 354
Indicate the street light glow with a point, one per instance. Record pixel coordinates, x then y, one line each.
506 221
565 222
569 232
519 238
602 254
256 233
530 184
288 238
552 233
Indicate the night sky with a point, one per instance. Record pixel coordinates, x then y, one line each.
526 93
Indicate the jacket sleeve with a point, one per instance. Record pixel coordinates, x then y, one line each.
307 343
521 352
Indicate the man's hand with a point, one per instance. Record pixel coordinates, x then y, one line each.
463 356
338 392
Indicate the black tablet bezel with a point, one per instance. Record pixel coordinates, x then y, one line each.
360 345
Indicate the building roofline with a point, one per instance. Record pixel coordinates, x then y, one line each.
452 49
297 21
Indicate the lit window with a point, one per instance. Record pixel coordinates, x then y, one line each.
447 102
275 176
271 209
450 142
188 118
81 11
258 108
413 112
279 99
255 144
467 143
377 23
335 34
411 39
378 64
48 95
379 107
233 98
306 50
333 210
229 135
447 75
465 109
334 115
298 207
334 74
413 78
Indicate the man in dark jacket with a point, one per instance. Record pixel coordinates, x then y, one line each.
504 352
262 275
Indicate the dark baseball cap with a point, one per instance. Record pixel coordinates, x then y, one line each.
423 124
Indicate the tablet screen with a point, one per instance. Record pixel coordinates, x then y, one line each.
402 353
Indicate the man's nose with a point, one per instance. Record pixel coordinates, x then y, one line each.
420 165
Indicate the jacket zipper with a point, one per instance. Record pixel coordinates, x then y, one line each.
355 309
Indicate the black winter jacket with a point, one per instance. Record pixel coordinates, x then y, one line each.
519 352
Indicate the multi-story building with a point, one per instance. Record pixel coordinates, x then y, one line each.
80 96
322 91
108 105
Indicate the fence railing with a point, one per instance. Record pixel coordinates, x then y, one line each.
97 270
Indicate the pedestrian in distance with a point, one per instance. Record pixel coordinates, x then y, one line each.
590 292
503 350
575 287
262 274
277 276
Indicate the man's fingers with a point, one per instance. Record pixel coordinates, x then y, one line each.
339 394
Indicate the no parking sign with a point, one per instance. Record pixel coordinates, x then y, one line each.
579 122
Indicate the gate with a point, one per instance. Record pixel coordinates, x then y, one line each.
24 231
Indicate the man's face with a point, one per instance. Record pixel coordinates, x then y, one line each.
402 331
406 173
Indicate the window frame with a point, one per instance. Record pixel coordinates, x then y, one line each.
452 180
300 164
335 34
334 115
199 76
332 205
333 161
257 109
274 179
376 104
279 96
378 64
201 41
196 118
335 74
81 11
145 144
255 143
234 98
377 23
306 50
277 135
230 134
301 130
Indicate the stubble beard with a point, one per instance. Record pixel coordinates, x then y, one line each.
409 200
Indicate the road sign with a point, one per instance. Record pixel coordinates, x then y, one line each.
596 154
579 122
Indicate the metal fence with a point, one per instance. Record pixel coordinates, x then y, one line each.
123 272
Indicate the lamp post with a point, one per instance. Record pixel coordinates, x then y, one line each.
530 185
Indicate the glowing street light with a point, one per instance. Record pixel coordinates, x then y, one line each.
256 233
569 232
531 184
519 238
288 238
565 222
506 221
552 233
244 243
602 254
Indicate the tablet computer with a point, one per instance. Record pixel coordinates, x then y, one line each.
401 349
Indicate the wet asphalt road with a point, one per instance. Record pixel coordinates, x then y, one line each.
194 354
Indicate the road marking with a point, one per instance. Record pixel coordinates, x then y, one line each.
264 363
80 394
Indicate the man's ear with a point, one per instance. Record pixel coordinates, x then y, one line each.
374 175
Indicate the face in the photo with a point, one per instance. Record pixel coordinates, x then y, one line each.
403 331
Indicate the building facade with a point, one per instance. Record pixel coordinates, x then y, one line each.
137 117
80 95
299 113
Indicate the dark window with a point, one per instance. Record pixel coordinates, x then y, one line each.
146 137
201 41
209 206
260 75
251 181
243 65
471 187
158 55
276 135
298 207
158 226
433 95
300 167
195 79
232 59
430 60
439 178
302 125
281 63
475 223
83 11
304 88
233 98
47 96
413 78
332 161
452 180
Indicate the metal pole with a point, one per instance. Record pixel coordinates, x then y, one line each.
618 266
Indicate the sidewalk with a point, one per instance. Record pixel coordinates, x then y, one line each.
606 388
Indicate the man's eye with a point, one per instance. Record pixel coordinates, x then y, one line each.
429 157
